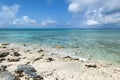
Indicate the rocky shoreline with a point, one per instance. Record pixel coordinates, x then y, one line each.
36 62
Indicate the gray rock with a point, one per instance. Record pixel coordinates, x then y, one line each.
7 76
28 72
22 68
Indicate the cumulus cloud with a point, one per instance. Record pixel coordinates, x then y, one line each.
24 21
8 13
8 17
96 12
48 22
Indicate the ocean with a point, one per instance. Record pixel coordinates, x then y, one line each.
103 44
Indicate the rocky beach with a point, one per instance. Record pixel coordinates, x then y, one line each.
39 62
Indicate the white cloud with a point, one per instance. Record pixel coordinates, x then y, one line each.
24 21
8 13
96 17
96 12
48 22
91 22
8 17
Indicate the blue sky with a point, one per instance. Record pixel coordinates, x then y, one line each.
59 13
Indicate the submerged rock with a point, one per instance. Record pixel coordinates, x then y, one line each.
59 46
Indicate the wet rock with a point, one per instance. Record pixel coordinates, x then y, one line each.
24 44
41 50
68 58
5 44
91 65
4 53
7 76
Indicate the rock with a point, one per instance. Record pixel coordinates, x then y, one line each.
7 76
24 45
4 53
28 72
41 50
28 51
2 59
3 68
37 59
49 59
91 65
15 54
59 46
13 59
75 58
5 44
68 58
25 67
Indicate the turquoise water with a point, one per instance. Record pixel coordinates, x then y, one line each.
92 44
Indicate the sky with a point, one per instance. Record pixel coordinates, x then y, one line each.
59 14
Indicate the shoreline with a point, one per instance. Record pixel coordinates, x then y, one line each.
50 64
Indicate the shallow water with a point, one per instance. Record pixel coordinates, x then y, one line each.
93 44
